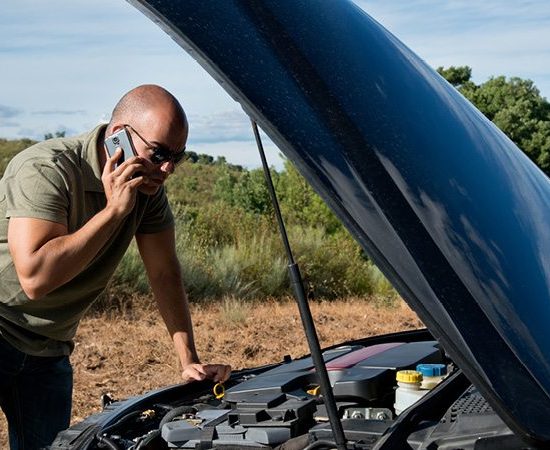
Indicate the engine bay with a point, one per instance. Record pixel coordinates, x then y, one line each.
281 407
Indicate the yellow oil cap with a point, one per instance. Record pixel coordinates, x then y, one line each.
408 376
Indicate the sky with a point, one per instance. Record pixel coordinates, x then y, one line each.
66 62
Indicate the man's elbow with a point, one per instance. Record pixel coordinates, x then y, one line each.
32 288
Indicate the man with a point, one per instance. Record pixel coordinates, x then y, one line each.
68 212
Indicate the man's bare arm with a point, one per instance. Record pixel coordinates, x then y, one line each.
158 252
46 256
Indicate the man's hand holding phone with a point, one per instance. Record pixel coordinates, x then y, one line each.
122 174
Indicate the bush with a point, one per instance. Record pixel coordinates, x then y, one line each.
130 276
227 251
332 266
9 148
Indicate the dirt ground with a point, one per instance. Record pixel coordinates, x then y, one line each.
131 353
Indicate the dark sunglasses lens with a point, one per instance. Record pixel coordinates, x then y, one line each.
160 155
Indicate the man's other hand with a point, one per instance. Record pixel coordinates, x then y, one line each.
197 372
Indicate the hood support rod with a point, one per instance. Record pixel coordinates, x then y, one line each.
303 306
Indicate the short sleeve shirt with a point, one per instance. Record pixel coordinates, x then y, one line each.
60 180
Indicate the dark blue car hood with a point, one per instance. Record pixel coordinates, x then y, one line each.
444 203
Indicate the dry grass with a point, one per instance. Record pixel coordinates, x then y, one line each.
129 354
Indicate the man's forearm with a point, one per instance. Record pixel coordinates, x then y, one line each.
158 252
174 309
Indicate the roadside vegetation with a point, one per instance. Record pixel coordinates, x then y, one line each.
229 245
228 239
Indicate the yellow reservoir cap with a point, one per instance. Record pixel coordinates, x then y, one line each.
408 376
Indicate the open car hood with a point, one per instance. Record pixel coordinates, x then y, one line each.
444 203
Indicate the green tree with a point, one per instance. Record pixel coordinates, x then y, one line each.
251 192
191 156
9 148
58 134
245 189
301 204
225 184
457 76
205 159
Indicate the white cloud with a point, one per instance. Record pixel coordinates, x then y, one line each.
244 153
223 126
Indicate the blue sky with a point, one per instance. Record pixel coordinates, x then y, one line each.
65 63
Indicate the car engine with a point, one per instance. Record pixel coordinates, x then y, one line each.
281 407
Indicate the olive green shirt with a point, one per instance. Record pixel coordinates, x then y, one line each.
60 180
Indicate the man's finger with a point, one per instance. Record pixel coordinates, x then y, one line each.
201 368
219 372
191 374
134 182
110 164
227 373
195 372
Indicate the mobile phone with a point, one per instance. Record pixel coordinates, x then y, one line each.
122 140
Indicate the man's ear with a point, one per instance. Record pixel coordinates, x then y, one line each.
112 129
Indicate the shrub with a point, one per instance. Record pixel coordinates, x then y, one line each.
130 275
229 244
332 266
225 251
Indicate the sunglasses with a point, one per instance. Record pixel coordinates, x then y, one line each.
160 154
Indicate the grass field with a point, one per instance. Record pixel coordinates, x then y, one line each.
129 353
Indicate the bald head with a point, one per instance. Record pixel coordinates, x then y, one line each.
149 106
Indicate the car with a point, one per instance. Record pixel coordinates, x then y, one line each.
450 210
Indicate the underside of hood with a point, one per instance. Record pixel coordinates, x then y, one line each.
450 210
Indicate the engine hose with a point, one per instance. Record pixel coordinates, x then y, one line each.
101 435
147 439
104 441
176 412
